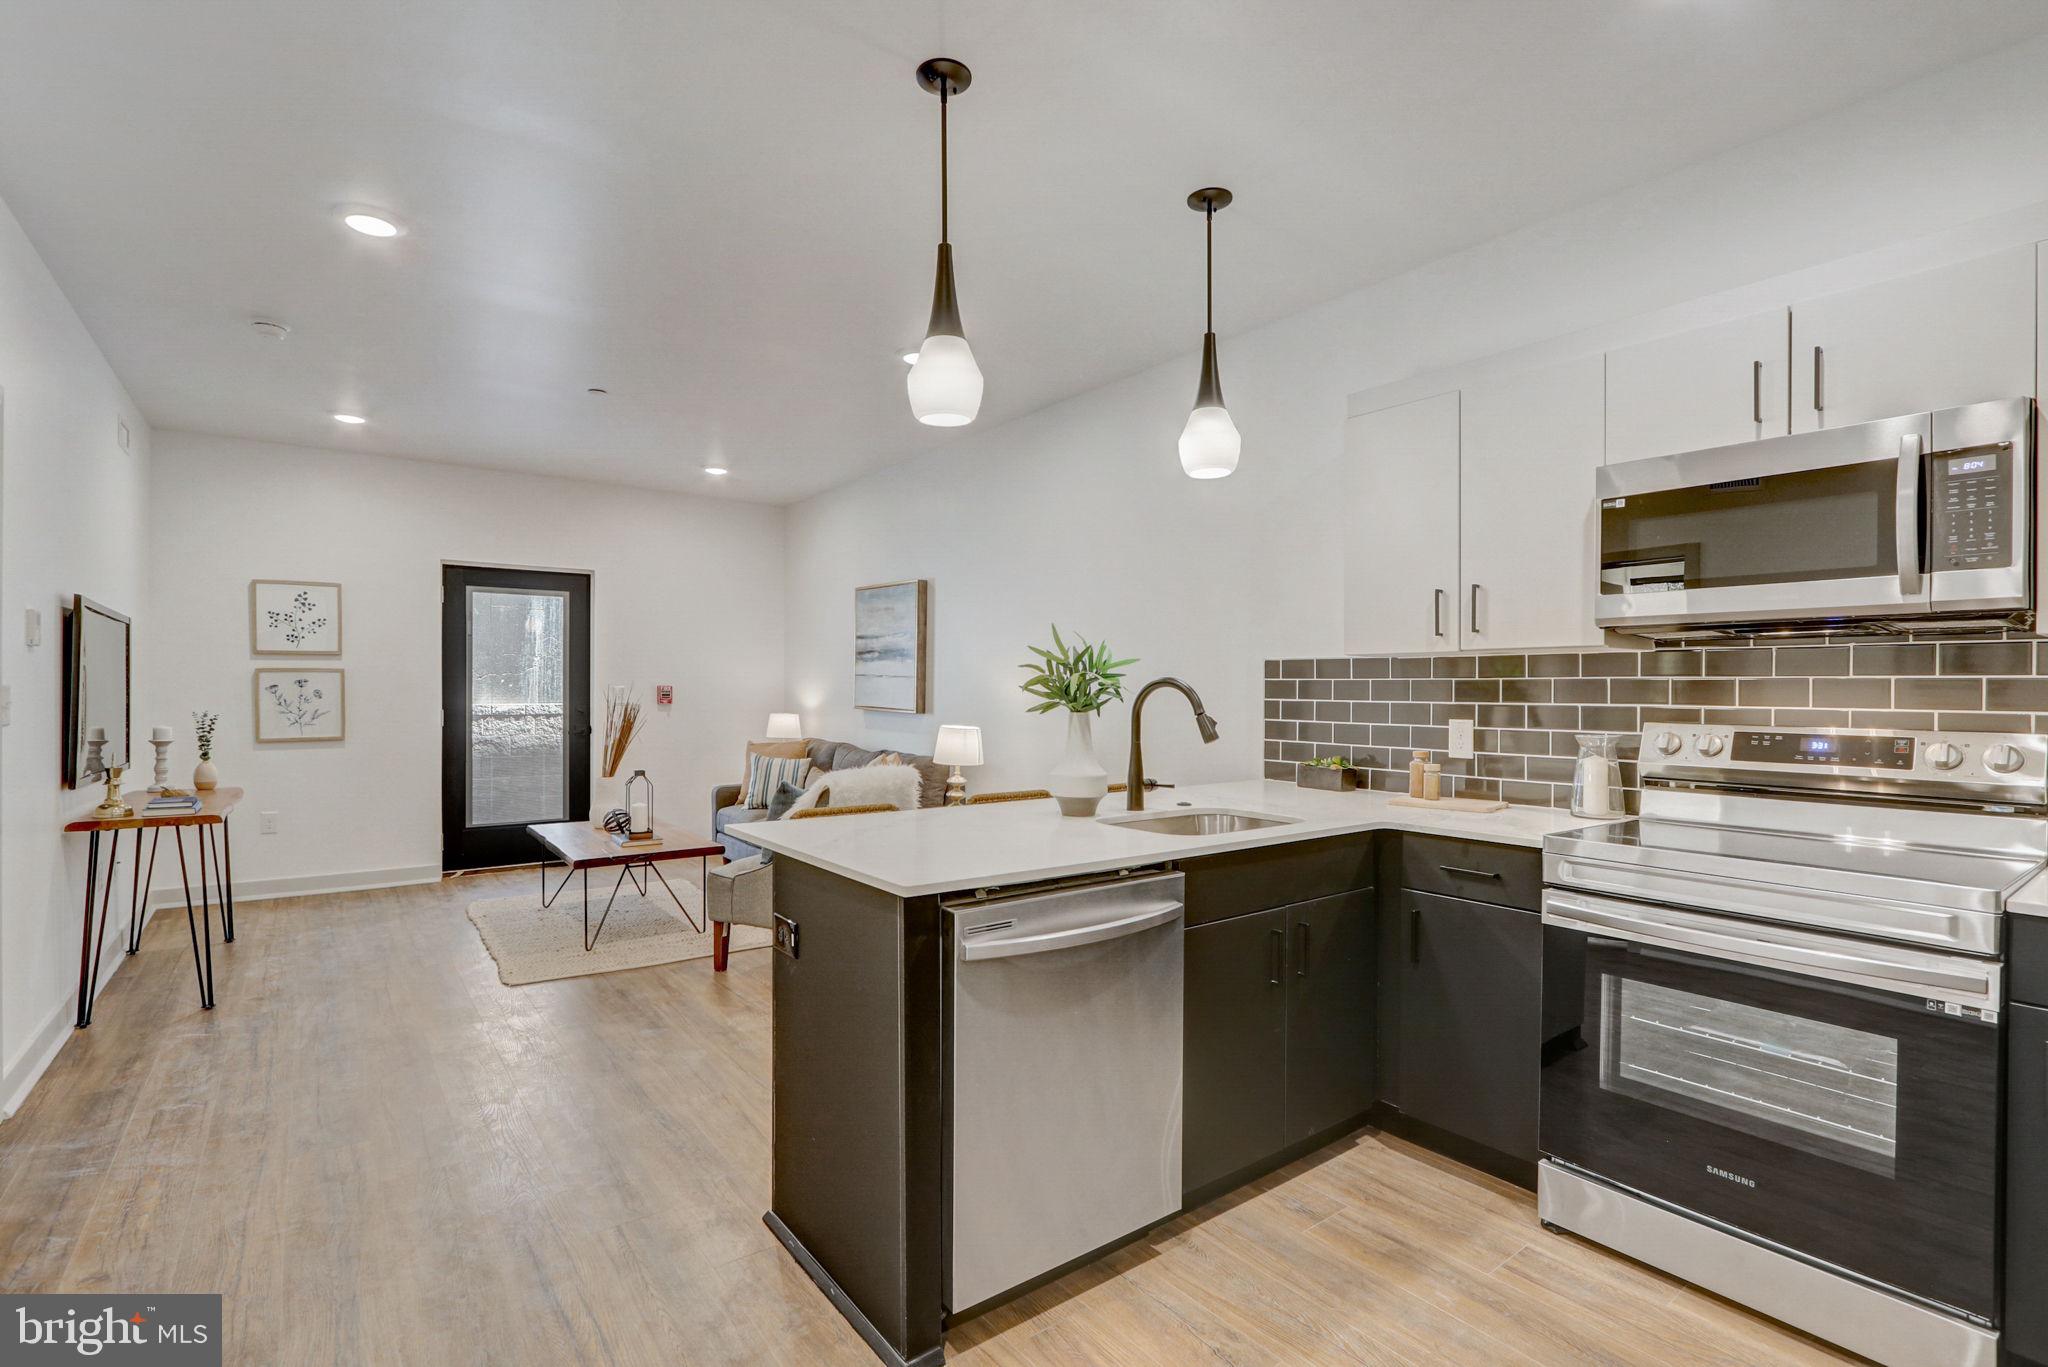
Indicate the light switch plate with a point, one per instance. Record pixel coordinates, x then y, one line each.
1461 740
266 823
34 628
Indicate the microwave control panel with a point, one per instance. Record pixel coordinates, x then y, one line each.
1971 508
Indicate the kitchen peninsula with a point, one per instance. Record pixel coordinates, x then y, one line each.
960 1114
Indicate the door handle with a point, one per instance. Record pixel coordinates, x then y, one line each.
1436 613
1301 939
1820 402
1906 514
1454 871
1756 392
1415 935
1472 609
1277 950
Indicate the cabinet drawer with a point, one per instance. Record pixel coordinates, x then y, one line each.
1505 875
1220 886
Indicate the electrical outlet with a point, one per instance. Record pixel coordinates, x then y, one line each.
34 628
1461 740
266 823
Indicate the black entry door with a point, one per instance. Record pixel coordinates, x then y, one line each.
515 700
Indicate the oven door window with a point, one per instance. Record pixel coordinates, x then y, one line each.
1833 523
1858 1127
1825 1089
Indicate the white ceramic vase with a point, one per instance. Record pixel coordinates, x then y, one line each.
1078 781
205 777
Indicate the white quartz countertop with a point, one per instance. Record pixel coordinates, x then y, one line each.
2032 897
947 849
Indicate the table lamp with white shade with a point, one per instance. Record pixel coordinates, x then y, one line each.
785 726
957 746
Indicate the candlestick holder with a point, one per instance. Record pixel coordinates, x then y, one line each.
162 778
113 807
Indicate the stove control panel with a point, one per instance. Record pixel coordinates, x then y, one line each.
1999 767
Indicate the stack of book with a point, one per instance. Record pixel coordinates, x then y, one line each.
626 840
172 804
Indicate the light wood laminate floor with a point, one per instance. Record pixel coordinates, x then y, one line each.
380 1155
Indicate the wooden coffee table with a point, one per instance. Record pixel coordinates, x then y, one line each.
583 847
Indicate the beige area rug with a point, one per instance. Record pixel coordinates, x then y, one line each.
536 945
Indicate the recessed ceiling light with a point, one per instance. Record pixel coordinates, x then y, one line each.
716 470
352 419
371 225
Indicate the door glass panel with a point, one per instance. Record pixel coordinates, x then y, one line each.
1776 529
518 760
1821 1088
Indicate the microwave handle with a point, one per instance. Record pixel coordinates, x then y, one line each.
1906 518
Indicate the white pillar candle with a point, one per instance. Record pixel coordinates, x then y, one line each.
1596 789
639 815
157 733
98 733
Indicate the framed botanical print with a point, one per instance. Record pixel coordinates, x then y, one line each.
300 704
294 617
889 646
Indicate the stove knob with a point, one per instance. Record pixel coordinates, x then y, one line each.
2004 759
1711 746
1668 743
1942 755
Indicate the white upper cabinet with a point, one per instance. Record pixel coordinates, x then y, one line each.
1529 533
1960 334
1401 535
1713 386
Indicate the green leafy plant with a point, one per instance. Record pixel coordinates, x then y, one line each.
1328 762
1080 677
203 723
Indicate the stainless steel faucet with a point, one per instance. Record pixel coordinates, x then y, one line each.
1134 785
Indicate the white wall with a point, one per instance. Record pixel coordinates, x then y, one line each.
1079 513
686 591
71 521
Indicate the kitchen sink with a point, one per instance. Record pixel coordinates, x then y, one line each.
1208 821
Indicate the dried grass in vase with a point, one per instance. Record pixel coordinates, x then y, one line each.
621 724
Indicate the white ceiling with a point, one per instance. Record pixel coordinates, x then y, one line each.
724 213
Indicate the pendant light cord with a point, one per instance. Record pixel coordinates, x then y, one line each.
1209 274
944 195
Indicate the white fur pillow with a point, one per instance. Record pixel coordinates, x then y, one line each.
895 784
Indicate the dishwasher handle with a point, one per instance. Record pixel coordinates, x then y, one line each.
1146 917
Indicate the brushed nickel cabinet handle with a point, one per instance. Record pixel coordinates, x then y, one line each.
1436 613
1456 872
1472 609
1820 375
1756 392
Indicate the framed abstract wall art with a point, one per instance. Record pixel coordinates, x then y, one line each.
889 646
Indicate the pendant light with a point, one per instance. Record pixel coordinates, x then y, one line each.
1209 443
944 382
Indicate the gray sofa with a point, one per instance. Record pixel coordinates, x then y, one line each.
826 755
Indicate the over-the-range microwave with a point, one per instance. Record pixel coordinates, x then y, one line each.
1923 522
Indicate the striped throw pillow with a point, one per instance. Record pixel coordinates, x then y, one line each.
766 773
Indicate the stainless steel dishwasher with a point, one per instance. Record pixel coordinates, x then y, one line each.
1063 1007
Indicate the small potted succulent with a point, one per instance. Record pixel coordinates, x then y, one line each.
1333 772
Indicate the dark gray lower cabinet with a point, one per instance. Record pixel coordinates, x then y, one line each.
1468 1019
1234 1045
1279 1031
2026 1187
1331 1010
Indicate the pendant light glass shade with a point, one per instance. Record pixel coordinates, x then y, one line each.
1209 444
944 382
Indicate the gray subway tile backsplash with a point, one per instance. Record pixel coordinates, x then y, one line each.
1528 708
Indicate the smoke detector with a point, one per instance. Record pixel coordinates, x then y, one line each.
269 331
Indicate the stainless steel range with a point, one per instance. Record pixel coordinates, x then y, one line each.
1772 1024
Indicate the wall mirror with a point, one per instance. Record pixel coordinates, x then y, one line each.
96 693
